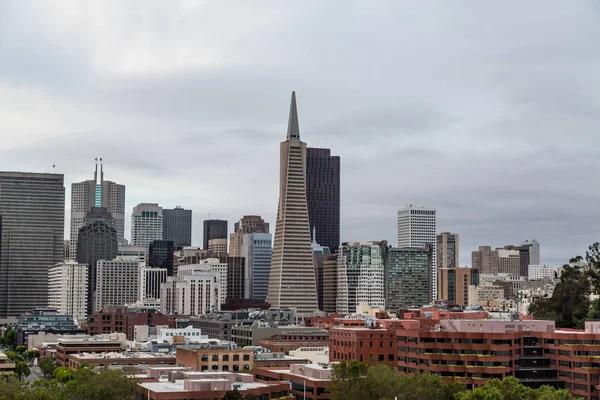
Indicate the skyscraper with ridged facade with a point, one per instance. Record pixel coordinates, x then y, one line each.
292 280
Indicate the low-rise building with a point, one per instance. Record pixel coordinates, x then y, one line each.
180 384
68 346
7 367
46 320
121 319
119 359
291 339
215 358
307 381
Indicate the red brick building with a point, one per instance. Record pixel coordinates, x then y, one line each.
118 319
283 342
473 351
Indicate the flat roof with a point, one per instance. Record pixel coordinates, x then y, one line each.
177 386
122 355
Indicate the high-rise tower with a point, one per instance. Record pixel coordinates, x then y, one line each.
96 193
292 279
323 196
416 228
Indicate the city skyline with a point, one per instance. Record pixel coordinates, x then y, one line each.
491 127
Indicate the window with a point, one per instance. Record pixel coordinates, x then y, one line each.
225 357
215 357
246 357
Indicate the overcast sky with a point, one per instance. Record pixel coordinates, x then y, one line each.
487 111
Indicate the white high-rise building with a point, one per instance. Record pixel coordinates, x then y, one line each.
150 281
360 276
146 224
68 288
96 193
215 266
541 271
417 227
117 282
257 249
194 291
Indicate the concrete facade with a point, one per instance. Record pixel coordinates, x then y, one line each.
257 250
117 282
68 289
146 224
248 224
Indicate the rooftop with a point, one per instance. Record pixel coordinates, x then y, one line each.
127 355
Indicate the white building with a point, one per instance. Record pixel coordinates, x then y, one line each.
540 272
146 224
360 276
68 288
150 281
257 248
417 227
509 261
484 293
117 282
219 268
190 334
194 291
128 250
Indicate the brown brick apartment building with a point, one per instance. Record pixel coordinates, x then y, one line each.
473 351
235 360
292 339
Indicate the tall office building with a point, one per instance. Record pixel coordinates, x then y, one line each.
146 224
485 260
408 277
329 285
217 247
150 281
323 196
160 255
509 259
454 284
214 265
117 282
214 229
257 250
360 276
194 291
32 226
68 289
416 228
236 274
248 224
292 280
97 240
177 226
529 254
96 193
447 257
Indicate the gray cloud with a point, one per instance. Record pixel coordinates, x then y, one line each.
488 112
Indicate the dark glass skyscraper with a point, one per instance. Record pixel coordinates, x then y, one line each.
177 226
323 196
160 255
97 240
32 226
214 229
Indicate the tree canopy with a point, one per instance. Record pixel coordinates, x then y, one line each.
570 305
510 389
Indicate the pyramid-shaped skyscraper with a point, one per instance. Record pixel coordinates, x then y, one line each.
292 280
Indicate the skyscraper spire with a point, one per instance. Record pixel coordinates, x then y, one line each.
293 128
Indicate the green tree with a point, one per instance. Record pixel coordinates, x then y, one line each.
99 384
22 369
233 395
347 381
63 374
13 356
9 337
510 389
31 354
21 349
47 365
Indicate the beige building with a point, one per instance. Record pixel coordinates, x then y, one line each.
485 260
217 247
248 224
7 367
454 284
508 261
215 359
484 293
447 250
292 277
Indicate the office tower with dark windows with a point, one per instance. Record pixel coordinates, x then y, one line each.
97 240
257 250
177 226
323 196
408 277
96 193
248 224
292 276
160 255
214 229
32 227
236 274
146 224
